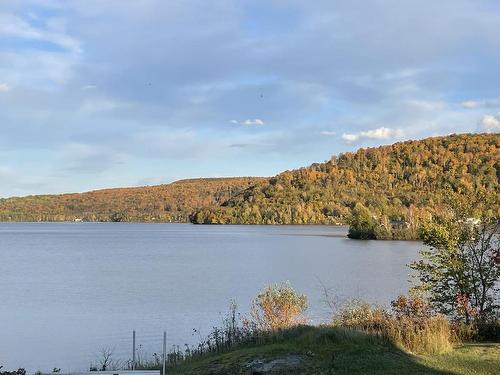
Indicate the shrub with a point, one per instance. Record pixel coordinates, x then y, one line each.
417 309
358 314
430 336
410 325
277 307
464 331
488 330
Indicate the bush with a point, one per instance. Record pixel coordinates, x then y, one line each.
417 309
358 314
277 307
410 325
488 330
464 331
431 336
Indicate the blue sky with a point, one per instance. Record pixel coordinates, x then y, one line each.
105 93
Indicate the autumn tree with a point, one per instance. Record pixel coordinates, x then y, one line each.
278 306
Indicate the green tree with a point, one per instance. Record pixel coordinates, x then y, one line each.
362 224
460 269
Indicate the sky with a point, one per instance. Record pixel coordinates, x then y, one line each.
109 93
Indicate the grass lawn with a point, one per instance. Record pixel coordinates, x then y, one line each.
326 350
467 359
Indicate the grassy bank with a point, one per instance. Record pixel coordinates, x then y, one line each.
328 350
410 338
274 338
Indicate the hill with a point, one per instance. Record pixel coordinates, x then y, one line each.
162 203
391 188
398 186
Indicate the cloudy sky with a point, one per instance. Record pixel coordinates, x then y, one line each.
104 93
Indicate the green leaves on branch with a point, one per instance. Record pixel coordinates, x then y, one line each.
460 268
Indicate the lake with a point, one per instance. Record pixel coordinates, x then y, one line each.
69 289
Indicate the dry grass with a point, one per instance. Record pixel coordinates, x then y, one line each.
410 325
434 336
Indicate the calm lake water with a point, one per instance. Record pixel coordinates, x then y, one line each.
69 289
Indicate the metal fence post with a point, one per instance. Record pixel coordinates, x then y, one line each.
133 349
164 352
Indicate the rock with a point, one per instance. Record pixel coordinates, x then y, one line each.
262 367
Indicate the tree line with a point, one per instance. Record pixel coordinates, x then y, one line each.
386 192
162 203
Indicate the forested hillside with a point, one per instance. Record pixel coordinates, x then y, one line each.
392 188
163 203
389 189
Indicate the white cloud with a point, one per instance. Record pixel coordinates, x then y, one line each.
380 133
472 104
89 87
253 122
490 124
5 87
12 26
249 122
43 54
328 132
